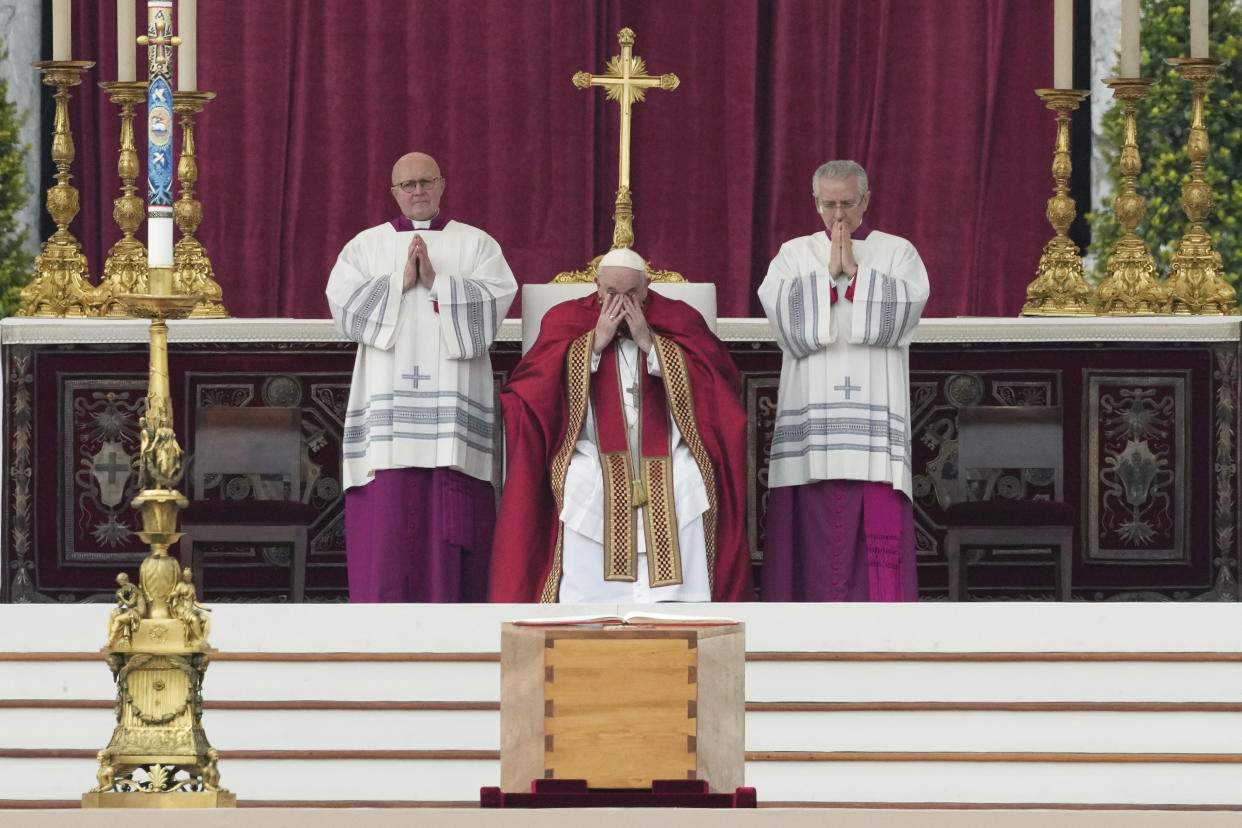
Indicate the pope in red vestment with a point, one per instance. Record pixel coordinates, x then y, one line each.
545 404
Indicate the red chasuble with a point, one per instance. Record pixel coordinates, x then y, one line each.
545 404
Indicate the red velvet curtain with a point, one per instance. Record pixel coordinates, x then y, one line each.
315 100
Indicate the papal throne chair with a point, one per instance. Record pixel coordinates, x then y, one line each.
1003 453
246 486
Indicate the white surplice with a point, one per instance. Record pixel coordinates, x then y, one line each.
582 578
422 393
843 408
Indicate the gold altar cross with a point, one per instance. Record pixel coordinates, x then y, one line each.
625 79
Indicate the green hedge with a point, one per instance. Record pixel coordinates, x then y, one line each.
16 263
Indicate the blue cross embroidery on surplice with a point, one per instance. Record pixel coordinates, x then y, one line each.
847 388
418 376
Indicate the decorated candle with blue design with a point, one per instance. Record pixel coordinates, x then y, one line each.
159 134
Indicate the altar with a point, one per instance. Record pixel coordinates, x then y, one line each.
1166 387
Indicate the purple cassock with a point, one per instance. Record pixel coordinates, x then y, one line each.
839 540
419 536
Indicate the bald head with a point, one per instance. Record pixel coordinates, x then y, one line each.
414 162
417 186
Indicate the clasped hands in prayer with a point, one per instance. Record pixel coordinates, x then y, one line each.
418 267
616 308
841 258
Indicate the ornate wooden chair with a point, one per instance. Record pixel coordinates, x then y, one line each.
246 486
994 442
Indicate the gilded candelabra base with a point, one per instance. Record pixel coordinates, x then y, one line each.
1196 283
60 284
1196 287
1132 286
195 276
159 755
1060 288
125 270
199 799
192 270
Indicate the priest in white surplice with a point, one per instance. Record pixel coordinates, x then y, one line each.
844 304
423 296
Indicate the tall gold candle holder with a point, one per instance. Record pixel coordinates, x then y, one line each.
60 285
1196 286
1132 286
159 755
192 271
1060 289
126 268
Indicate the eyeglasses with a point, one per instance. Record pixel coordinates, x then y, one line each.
831 206
415 183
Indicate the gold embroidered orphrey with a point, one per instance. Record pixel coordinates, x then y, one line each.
619 523
623 497
625 80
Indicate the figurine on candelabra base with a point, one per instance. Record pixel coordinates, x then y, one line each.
159 756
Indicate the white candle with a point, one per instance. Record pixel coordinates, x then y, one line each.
62 19
159 237
1063 44
187 70
125 40
1130 39
1198 28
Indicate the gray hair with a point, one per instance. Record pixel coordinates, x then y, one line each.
839 171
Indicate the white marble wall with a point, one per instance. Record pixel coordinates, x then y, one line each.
21 27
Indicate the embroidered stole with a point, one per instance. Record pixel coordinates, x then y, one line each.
624 495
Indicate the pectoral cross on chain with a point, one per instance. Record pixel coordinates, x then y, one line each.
626 81
634 389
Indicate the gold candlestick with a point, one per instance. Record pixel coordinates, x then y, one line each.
1132 286
1196 286
159 755
126 268
1060 289
192 271
60 286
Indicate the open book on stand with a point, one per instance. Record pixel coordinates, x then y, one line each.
640 618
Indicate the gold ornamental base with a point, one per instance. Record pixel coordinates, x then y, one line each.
199 799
